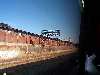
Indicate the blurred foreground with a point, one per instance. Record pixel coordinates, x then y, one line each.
12 55
65 64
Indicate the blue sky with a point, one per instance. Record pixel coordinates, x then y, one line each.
36 15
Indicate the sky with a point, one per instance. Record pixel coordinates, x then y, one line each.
36 15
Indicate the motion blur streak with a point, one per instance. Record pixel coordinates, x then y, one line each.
9 54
